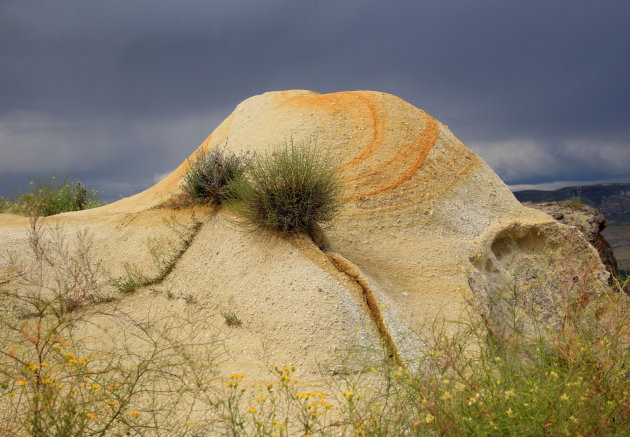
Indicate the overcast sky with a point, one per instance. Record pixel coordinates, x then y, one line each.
120 92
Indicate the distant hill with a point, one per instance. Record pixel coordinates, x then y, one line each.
612 200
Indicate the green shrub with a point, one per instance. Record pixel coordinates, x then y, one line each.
209 175
50 197
289 190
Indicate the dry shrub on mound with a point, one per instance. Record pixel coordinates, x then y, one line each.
289 190
209 176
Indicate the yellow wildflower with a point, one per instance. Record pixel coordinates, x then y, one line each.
57 347
261 399
22 383
134 413
95 386
564 397
286 377
446 396
44 364
430 418
11 394
509 412
509 394
90 416
252 410
111 403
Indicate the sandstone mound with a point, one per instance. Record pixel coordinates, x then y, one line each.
424 221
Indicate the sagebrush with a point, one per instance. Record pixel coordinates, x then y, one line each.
288 190
210 175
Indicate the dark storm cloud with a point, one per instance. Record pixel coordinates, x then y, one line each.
120 92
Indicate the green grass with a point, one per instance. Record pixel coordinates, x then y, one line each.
288 191
50 197
165 257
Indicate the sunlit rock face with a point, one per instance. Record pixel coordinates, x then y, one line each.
422 212
426 228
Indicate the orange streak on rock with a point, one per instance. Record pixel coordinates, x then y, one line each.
444 166
423 144
452 181
327 102
347 102
424 196
378 121
401 153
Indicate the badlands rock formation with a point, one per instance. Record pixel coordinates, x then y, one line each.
589 221
425 220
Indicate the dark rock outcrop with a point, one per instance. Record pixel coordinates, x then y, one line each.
588 220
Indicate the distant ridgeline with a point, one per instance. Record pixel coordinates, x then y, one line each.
612 200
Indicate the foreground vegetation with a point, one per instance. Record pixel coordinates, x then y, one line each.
49 197
210 176
73 362
289 190
71 365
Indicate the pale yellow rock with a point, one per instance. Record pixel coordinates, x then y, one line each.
422 216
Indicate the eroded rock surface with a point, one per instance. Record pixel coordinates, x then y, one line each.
424 222
589 221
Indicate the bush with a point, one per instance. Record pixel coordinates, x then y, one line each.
51 197
289 190
208 177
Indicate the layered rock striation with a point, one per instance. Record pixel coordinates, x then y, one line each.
426 227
